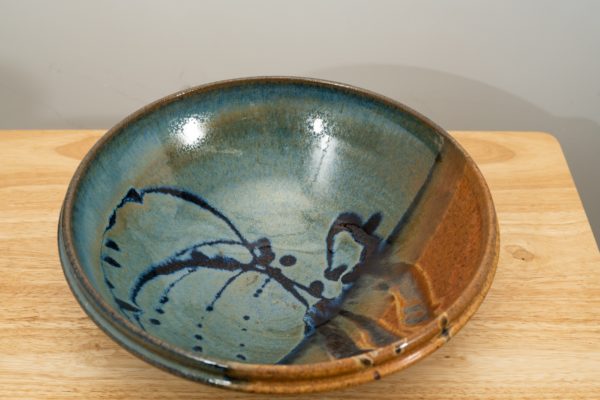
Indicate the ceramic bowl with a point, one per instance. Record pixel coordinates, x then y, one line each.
278 235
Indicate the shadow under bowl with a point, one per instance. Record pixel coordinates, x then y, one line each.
278 235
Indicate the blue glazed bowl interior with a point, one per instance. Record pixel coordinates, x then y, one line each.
233 223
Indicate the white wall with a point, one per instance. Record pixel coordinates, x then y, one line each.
511 64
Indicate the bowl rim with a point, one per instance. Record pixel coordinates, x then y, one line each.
455 316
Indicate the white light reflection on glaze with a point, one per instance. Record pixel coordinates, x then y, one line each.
318 125
192 131
324 153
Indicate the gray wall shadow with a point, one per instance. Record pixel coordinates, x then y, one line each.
24 104
459 103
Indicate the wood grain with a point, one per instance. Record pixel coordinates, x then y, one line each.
536 336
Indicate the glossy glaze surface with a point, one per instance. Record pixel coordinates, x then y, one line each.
275 221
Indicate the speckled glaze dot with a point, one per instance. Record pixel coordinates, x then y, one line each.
287 260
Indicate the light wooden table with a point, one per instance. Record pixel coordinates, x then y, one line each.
536 336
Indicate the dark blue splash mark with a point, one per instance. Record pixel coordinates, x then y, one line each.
164 298
199 201
363 234
137 317
199 337
197 348
262 255
413 204
111 244
123 305
132 196
262 287
288 260
229 281
111 261
241 357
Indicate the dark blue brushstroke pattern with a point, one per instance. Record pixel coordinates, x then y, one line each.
262 255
